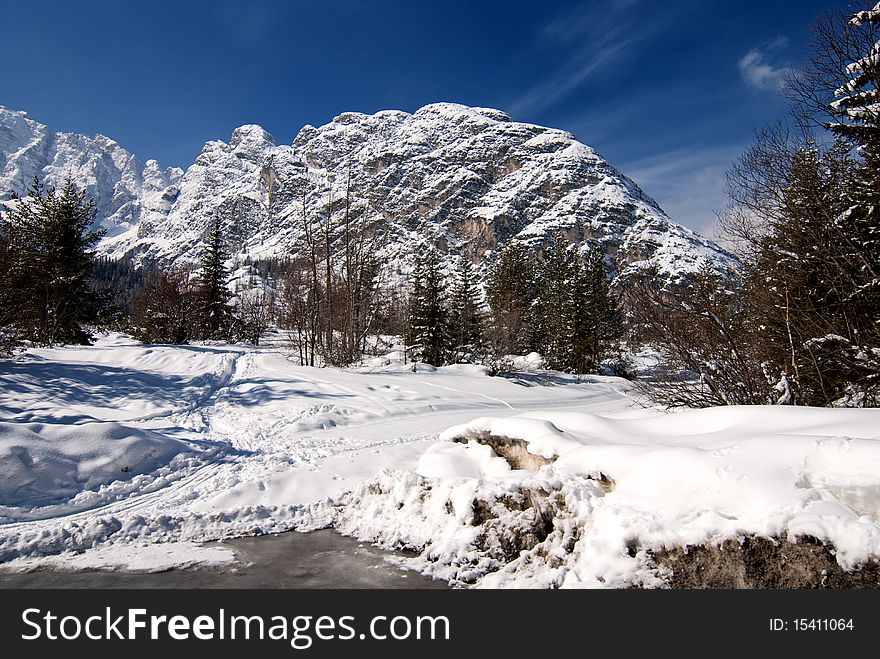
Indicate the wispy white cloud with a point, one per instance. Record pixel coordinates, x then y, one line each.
760 68
594 38
570 26
687 183
548 92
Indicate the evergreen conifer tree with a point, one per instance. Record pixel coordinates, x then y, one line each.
510 293
48 257
9 332
575 318
856 108
553 306
213 294
594 321
465 318
428 316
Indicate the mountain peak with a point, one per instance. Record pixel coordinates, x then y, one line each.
467 179
251 141
251 133
8 111
457 111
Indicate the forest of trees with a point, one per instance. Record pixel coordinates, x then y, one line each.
328 295
179 305
797 321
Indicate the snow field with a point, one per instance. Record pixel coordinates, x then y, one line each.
127 455
132 445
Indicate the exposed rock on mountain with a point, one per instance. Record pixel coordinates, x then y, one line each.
467 179
125 191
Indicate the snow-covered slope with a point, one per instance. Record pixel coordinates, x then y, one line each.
469 179
42 463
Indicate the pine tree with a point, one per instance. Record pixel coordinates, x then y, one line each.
9 332
509 293
214 312
856 107
114 282
465 318
49 259
593 318
799 322
553 306
846 355
857 111
428 316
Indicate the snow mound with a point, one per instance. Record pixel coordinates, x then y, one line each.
41 464
621 489
530 362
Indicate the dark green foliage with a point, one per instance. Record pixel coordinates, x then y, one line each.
807 285
553 304
465 317
560 306
595 324
48 259
9 332
817 272
114 282
510 292
270 269
575 320
173 306
212 294
428 316
800 322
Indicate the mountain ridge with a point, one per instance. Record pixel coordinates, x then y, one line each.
467 179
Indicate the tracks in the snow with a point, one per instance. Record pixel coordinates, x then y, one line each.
251 440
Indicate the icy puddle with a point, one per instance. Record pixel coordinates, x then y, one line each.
321 559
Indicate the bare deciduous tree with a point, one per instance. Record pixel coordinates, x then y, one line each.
163 308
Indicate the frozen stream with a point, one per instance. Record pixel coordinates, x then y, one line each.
321 559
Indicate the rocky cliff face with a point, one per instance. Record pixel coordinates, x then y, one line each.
125 190
466 179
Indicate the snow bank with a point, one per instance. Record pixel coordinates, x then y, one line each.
621 490
530 362
42 464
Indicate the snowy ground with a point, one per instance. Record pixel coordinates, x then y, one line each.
122 454
620 488
118 449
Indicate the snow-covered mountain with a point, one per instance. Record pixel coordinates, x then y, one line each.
125 190
467 179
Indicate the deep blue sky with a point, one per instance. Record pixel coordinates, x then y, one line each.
670 92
